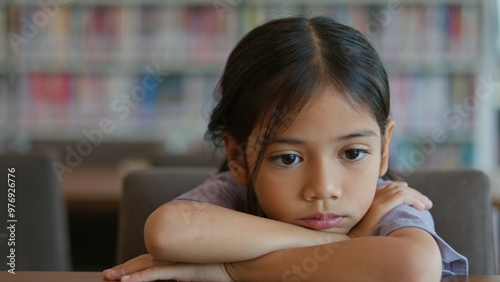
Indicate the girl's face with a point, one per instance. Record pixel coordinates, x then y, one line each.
321 171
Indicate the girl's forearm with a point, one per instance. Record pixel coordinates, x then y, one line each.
362 259
187 231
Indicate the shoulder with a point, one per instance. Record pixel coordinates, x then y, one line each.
405 216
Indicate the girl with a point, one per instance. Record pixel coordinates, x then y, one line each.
304 118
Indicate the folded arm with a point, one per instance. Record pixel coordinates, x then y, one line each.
196 232
187 231
408 254
198 241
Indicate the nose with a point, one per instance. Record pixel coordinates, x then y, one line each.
321 184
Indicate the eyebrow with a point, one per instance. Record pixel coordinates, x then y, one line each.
358 134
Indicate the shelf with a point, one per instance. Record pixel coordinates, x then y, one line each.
236 3
171 66
103 51
408 138
393 67
166 3
114 67
94 52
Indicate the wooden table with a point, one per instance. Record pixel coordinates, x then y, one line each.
472 278
52 276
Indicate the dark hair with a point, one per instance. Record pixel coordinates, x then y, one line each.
277 67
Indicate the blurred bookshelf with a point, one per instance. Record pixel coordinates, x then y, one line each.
147 69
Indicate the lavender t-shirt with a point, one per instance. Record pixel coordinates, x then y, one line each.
223 190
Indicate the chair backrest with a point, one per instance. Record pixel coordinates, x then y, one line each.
461 212
143 192
41 231
462 208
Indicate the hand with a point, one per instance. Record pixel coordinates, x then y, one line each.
147 268
134 265
387 197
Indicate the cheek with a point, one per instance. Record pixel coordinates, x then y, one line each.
368 196
361 199
364 188
275 194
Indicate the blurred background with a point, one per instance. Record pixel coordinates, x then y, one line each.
104 87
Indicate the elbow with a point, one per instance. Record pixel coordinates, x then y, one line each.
151 237
153 233
421 265
159 236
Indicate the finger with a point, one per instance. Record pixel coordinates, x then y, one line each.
427 203
405 195
136 264
395 184
392 184
403 186
150 274
414 202
111 274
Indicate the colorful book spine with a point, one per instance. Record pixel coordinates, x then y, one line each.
85 63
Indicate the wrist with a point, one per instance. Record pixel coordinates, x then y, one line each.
321 237
369 222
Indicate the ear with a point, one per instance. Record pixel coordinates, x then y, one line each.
235 159
386 140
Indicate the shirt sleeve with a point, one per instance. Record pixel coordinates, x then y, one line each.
221 189
406 216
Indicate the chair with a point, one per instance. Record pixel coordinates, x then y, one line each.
143 192
462 208
41 230
462 213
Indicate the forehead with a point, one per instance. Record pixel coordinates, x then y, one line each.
332 113
325 112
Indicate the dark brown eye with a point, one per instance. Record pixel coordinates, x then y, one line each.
354 154
286 160
289 159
